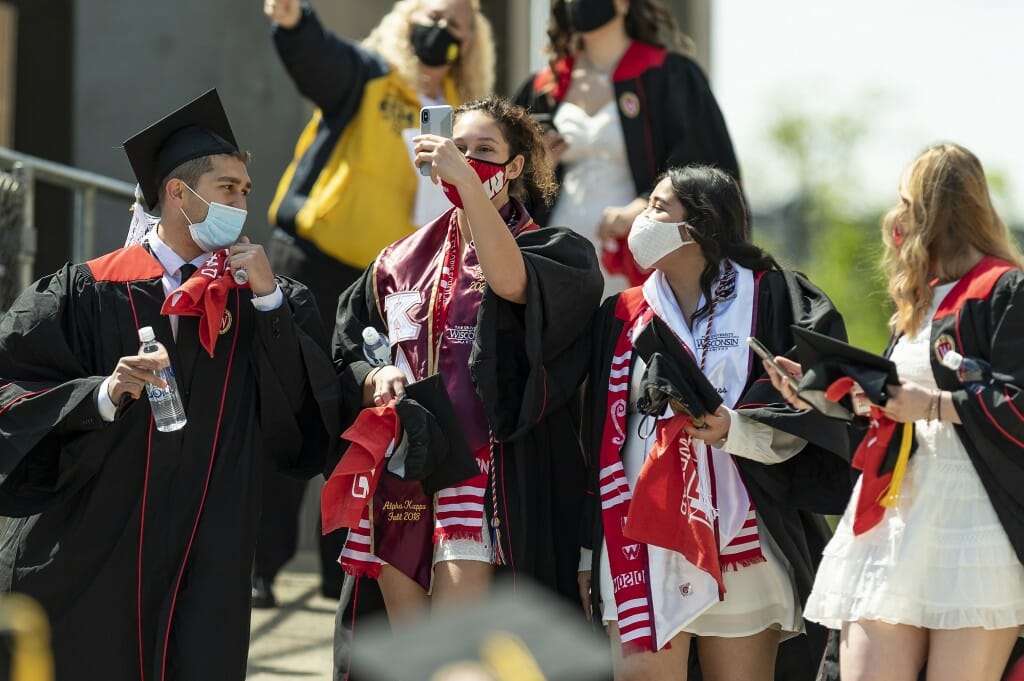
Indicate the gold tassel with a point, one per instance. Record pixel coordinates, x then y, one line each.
891 495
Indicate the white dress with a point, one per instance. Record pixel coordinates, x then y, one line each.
940 559
596 176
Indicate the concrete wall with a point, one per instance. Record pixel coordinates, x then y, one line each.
126 78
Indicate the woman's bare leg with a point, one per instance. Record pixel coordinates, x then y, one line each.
404 599
747 658
870 650
668 664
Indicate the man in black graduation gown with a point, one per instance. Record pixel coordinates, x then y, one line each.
139 543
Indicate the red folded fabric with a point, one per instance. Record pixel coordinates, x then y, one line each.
878 488
616 258
205 295
354 480
666 508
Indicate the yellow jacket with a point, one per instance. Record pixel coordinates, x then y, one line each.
350 187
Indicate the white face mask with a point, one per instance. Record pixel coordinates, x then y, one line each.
650 240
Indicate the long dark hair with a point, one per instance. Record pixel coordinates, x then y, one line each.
647 21
717 215
536 184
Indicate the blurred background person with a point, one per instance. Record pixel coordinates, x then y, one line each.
936 578
356 150
623 101
757 473
498 307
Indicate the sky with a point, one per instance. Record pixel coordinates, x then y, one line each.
914 72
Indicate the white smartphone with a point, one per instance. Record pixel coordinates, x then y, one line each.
436 120
764 353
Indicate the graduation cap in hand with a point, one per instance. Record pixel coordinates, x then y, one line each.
672 377
433 448
200 128
825 360
520 633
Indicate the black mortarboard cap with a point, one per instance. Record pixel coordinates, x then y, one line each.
672 376
825 359
520 632
433 449
200 128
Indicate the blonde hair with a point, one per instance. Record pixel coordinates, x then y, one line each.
945 208
473 73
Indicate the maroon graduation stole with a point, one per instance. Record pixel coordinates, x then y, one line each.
429 301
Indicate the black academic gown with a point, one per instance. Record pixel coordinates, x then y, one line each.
527 364
131 538
668 114
789 496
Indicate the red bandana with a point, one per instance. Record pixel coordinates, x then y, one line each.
205 295
354 480
878 489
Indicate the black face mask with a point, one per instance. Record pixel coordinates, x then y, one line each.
434 45
590 15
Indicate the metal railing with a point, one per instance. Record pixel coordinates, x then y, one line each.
85 185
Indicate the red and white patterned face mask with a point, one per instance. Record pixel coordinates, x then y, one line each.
492 176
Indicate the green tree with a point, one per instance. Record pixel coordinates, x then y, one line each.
827 231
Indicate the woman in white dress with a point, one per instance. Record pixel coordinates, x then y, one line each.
935 577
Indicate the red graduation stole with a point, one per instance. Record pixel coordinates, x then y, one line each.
205 295
664 489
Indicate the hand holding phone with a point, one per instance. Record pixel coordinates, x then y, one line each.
786 378
435 120
764 353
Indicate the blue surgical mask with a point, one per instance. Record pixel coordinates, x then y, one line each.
221 228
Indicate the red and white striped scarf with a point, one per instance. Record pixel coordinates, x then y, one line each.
628 557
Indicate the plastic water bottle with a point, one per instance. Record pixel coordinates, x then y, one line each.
975 374
168 411
376 347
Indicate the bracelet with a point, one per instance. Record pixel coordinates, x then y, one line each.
933 406
373 372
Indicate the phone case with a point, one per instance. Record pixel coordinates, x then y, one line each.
436 120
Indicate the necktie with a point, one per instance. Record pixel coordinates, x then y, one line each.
186 271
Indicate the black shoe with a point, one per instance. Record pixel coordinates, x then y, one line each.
262 594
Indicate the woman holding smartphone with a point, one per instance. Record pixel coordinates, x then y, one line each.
936 578
750 480
628 102
498 306
358 143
